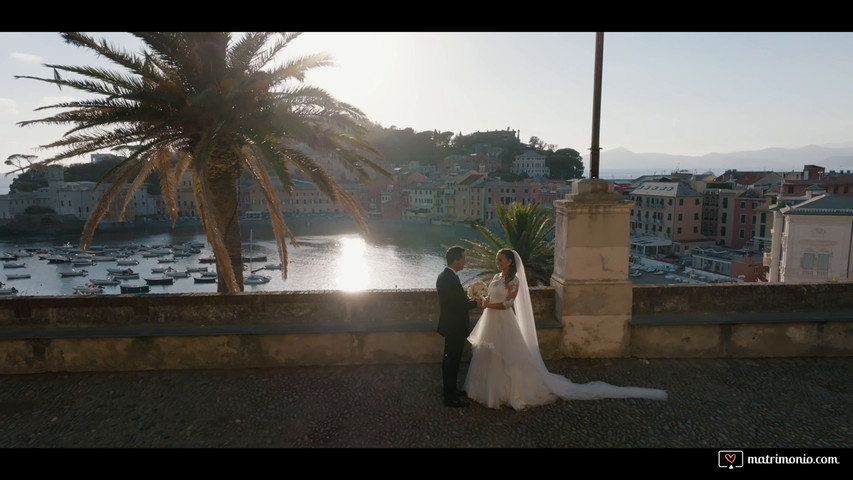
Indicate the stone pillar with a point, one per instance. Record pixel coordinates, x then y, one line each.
594 293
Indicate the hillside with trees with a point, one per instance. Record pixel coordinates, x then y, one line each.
398 147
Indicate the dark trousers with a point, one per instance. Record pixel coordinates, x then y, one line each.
453 346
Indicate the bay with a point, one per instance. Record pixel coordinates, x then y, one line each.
330 254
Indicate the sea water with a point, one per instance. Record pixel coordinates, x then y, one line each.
390 255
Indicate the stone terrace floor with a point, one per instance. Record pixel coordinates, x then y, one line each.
713 403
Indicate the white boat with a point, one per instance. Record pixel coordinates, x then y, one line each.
105 281
14 265
124 271
73 273
272 266
8 291
256 279
196 269
17 276
177 274
127 261
159 280
253 278
88 289
58 259
82 262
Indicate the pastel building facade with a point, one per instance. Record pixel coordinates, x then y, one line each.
812 241
666 217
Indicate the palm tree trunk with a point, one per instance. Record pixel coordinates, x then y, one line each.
224 193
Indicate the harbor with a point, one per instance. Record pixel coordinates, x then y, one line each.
329 254
324 257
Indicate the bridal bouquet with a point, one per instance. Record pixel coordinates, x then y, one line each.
478 289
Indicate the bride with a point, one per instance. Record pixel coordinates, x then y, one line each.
506 366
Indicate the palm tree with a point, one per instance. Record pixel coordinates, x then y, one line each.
528 230
213 106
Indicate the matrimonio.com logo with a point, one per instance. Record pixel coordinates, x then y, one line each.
730 459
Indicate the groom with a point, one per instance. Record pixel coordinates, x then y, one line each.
453 322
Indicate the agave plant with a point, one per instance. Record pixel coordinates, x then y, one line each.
528 230
213 106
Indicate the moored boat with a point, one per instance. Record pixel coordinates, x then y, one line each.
256 279
134 288
14 265
17 276
124 271
88 289
204 279
125 276
159 280
58 259
73 273
105 281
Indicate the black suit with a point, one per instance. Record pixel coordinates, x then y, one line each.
454 325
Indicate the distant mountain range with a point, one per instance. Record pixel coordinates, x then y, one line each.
832 157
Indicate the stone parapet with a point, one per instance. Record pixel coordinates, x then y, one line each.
246 330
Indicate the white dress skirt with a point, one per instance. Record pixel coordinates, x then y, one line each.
504 371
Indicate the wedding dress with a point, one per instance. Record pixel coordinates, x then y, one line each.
506 366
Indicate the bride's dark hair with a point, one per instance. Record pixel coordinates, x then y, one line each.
513 268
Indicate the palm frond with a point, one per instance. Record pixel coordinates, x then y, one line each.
200 102
527 230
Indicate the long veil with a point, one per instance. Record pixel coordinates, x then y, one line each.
560 385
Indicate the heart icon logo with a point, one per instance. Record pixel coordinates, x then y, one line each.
731 457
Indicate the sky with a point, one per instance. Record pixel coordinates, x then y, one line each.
668 92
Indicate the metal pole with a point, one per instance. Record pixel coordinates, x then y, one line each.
596 106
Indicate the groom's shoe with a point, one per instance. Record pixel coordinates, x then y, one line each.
455 403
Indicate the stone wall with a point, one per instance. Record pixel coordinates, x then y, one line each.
244 330
742 320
